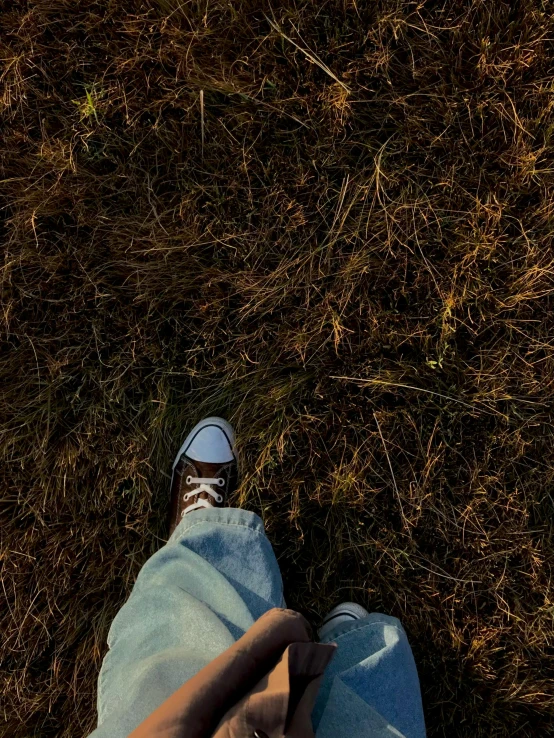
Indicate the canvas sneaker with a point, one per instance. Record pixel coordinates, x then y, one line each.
205 471
346 612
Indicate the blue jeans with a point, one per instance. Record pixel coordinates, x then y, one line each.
200 592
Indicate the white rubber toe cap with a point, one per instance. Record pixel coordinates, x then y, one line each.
212 440
346 612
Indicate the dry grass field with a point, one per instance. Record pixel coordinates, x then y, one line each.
332 223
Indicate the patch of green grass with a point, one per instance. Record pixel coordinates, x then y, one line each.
88 106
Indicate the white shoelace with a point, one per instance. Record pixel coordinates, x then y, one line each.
204 485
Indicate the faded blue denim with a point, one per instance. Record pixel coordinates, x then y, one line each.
200 592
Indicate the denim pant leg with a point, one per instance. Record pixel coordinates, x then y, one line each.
192 600
371 687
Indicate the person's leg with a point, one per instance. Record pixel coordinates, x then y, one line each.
191 601
197 595
371 686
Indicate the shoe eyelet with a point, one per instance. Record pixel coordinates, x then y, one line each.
221 481
220 498
188 479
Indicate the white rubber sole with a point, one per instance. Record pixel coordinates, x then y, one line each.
221 423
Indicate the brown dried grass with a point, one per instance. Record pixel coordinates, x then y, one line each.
332 223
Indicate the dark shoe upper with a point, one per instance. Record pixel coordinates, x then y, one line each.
205 471
186 492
